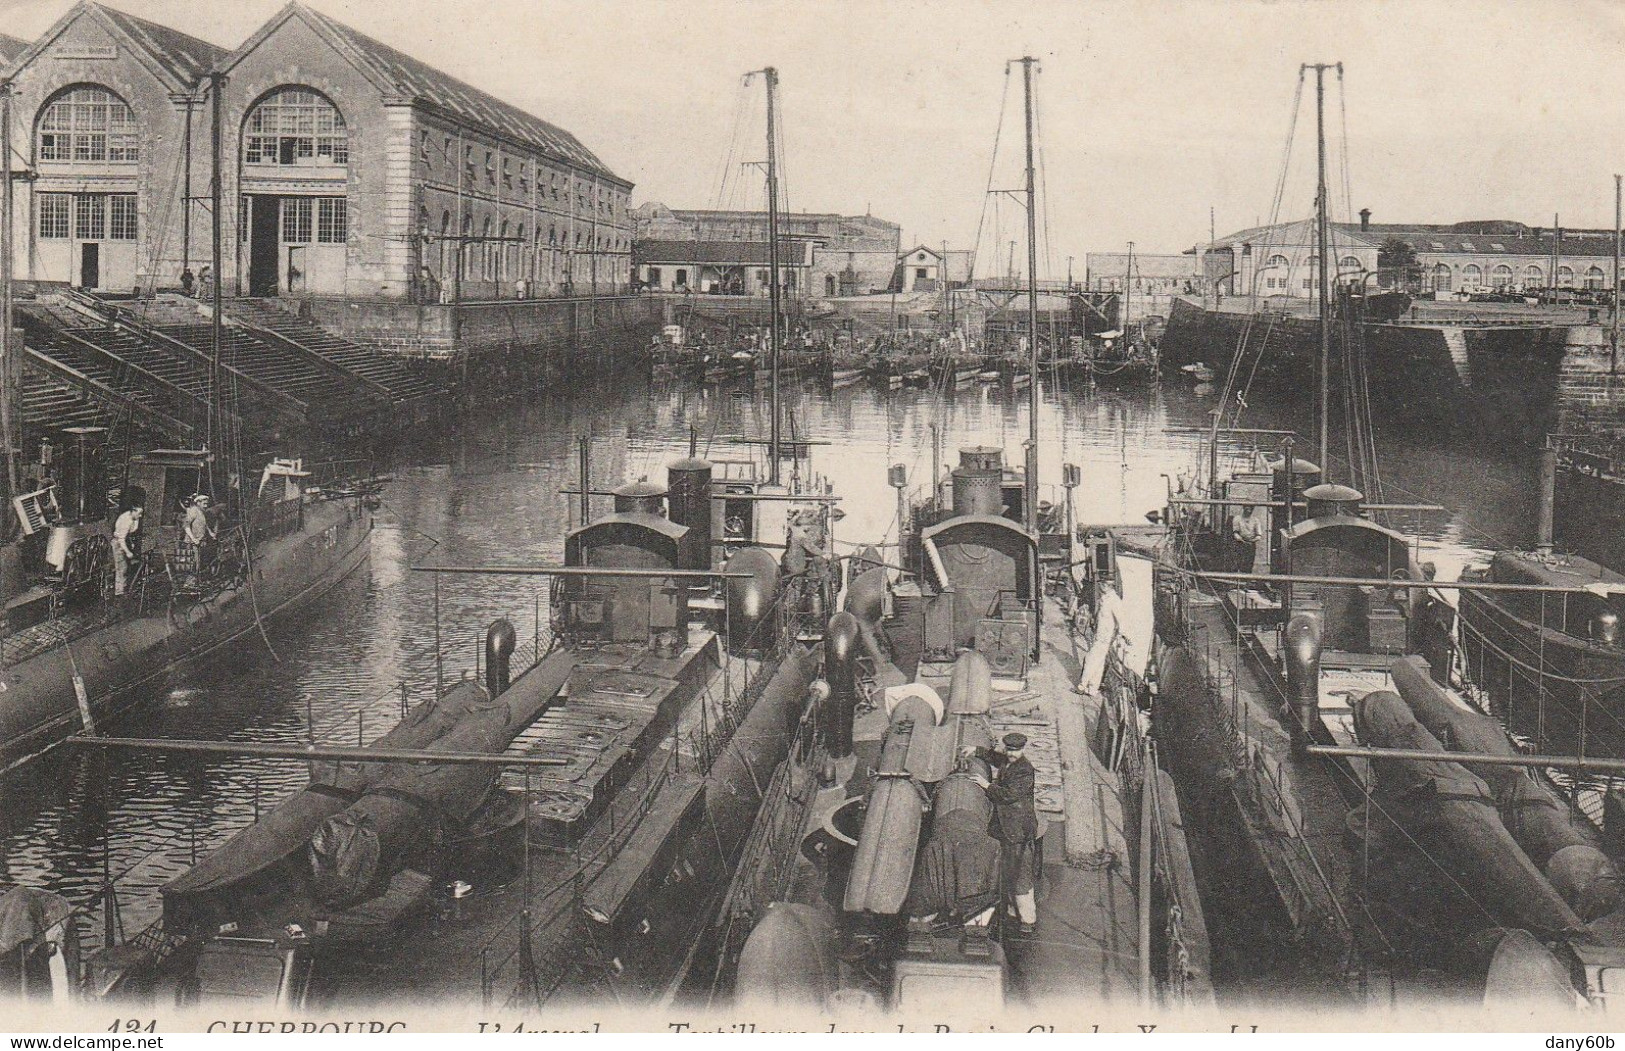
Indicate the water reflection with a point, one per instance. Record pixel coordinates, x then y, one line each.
490 491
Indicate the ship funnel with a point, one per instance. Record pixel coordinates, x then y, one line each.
1330 499
688 482
977 481
500 640
841 643
640 497
1303 476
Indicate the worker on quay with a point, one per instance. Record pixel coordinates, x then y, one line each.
126 547
1014 824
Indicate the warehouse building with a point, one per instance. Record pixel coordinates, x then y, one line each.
349 169
1457 258
844 255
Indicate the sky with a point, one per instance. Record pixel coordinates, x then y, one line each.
1151 113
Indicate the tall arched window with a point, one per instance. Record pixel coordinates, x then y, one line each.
1471 275
502 253
88 124
485 249
1277 267
1501 277
1565 277
295 126
1533 276
1441 277
1594 277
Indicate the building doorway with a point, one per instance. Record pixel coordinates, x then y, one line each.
90 265
264 211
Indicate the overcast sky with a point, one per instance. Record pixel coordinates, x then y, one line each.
1151 111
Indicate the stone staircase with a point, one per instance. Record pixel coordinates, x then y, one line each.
389 374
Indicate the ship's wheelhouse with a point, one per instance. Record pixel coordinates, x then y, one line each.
984 572
623 608
1356 618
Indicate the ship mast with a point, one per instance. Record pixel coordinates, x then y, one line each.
10 368
217 421
1323 237
1030 497
771 75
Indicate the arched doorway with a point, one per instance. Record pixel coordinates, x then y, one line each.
295 172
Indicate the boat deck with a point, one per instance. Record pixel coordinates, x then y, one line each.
599 827
1294 808
1086 943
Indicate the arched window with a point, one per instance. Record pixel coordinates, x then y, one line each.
1594 277
1501 277
502 253
1275 260
445 222
1565 277
1441 277
1350 264
1533 276
1472 275
295 126
423 219
485 249
88 124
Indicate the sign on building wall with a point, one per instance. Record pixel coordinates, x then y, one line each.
87 51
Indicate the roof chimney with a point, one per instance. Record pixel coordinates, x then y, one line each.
1365 218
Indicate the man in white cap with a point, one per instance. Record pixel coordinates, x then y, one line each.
1015 823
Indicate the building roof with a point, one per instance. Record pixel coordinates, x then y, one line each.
718 253
1489 237
10 49
186 57
409 78
175 56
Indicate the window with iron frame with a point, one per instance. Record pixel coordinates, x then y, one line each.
90 216
122 221
332 220
88 125
295 126
54 209
296 220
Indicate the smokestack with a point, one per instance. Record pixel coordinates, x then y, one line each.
1365 218
1548 498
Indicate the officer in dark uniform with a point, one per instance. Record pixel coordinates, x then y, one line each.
1015 823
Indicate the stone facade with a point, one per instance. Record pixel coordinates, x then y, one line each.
850 254
1458 258
410 185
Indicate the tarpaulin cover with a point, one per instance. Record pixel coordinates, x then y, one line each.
28 912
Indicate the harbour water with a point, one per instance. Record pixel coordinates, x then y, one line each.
491 491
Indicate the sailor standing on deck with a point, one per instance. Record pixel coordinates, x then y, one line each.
125 547
1014 824
200 532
